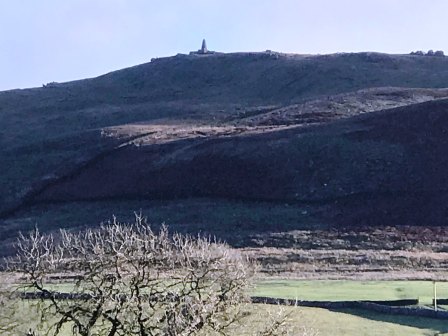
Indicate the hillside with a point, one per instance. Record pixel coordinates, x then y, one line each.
381 167
344 139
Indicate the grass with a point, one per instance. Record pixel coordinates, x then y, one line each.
331 290
358 322
349 323
346 323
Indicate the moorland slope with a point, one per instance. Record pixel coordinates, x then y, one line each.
361 138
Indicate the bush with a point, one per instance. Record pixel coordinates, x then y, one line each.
131 280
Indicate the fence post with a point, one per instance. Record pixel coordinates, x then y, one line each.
435 295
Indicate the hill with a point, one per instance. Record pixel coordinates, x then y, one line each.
344 139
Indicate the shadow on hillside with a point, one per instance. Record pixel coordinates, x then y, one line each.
439 326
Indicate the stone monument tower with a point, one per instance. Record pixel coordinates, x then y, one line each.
204 49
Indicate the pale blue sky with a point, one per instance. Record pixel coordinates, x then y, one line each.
60 40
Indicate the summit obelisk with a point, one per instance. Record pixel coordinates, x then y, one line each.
204 47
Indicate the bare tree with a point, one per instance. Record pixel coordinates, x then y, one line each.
132 280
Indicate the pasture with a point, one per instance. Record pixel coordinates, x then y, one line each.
308 321
343 290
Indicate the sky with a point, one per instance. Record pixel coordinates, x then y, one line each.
61 40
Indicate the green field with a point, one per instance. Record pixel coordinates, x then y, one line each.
347 322
326 323
356 321
359 322
335 290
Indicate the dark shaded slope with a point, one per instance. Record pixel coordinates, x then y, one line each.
380 168
49 131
